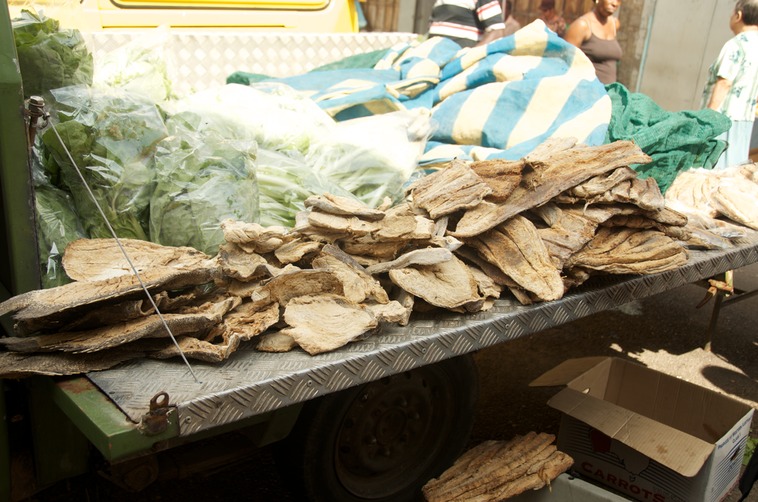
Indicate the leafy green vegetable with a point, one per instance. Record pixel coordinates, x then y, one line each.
49 57
204 177
139 66
57 226
285 181
372 157
112 138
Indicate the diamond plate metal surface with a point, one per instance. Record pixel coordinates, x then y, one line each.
251 383
202 59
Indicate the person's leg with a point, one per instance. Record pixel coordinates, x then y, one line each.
738 140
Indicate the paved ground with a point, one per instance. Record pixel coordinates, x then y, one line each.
665 332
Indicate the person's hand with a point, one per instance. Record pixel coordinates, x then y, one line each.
490 36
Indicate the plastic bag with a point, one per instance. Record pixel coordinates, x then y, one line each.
204 176
277 118
372 157
285 181
111 137
57 226
140 66
49 57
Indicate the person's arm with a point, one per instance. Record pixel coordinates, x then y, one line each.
718 93
491 35
578 32
561 27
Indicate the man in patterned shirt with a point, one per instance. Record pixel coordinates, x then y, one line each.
732 86
467 22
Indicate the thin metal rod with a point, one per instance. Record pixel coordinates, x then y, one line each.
123 251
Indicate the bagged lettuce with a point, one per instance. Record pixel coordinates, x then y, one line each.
49 57
372 157
205 174
57 226
111 136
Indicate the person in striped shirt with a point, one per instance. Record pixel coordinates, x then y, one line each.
467 22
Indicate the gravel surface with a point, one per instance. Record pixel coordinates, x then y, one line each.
665 332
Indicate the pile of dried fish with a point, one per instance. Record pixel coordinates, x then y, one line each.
718 204
536 227
498 470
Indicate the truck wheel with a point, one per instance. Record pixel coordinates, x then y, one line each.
382 441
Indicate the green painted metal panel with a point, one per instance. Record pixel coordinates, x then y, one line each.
19 268
106 427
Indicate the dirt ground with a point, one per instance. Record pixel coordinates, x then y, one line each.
665 332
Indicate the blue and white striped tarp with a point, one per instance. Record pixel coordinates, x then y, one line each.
498 100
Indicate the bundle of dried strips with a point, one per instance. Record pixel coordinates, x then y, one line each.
497 470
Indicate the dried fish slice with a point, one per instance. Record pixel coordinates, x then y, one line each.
295 250
563 172
426 256
345 225
275 342
449 284
63 303
192 348
198 323
502 176
517 250
255 238
738 202
246 321
101 259
15 365
630 251
284 287
326 322
598 185
357 284
343 206
240 264
449 190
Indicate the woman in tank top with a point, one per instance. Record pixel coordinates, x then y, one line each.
595 34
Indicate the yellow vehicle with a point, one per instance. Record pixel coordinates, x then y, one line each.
314 16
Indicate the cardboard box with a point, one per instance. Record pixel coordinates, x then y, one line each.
566 488
650 436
